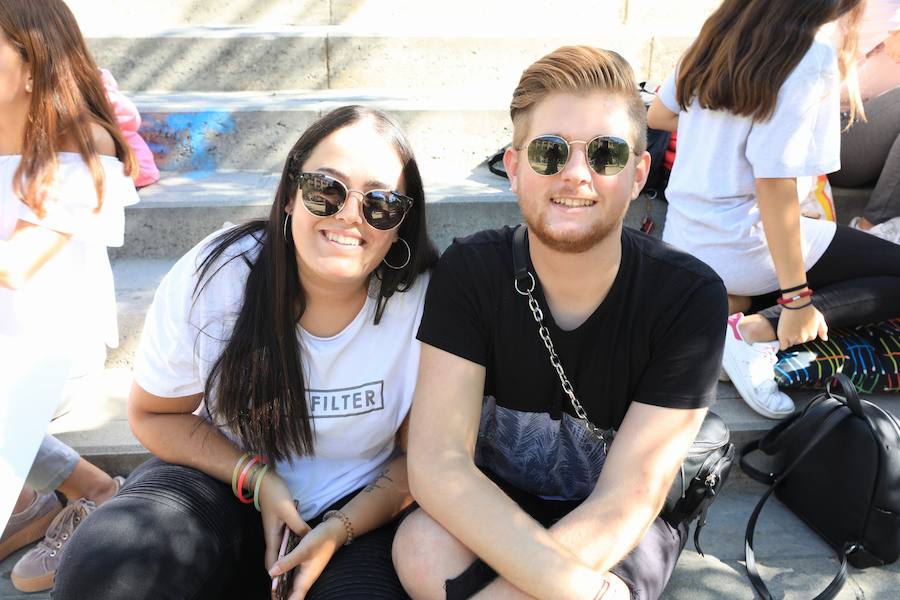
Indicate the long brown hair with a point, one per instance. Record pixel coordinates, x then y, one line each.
258 379
67 97
747 49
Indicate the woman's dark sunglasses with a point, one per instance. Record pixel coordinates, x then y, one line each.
606 154
324 196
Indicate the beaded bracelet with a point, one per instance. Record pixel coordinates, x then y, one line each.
348 525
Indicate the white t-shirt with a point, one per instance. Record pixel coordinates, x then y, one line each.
713 212
359 382
71 299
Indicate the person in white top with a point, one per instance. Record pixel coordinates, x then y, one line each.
755 103
64 180
277 365
870 150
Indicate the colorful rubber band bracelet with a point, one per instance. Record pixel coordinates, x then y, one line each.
795 297
243 477
237 470
797 307
796 288
602 592
259 479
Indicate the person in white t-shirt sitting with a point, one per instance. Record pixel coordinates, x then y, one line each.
65 177
755 102
277 364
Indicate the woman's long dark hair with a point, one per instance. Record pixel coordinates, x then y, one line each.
747 49
258 379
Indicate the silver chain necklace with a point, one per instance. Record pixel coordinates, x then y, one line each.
605 437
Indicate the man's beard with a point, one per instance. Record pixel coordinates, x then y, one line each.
569 243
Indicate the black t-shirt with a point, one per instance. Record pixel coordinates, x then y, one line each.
656 338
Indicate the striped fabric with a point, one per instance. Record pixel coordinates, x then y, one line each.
869 355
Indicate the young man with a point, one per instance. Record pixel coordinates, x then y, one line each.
496 451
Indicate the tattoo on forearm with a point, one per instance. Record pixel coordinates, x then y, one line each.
376 485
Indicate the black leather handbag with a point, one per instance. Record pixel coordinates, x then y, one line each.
837 467
708 462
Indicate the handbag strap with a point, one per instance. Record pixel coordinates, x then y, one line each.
525 284
780 436
830 422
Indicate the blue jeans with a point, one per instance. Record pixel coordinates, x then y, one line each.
53 464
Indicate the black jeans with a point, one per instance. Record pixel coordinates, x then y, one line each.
856 282
174 532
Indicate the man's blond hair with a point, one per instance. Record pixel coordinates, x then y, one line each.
578 70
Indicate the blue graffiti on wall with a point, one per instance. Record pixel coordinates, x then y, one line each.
187 141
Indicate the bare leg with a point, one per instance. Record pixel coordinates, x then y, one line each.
426 555
26 497
87 481
756 328
738 304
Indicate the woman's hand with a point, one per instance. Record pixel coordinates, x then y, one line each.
799 326
277 506
311 556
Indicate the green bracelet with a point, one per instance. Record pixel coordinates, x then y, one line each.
237 469
259 479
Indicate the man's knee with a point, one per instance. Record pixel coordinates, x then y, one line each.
425 555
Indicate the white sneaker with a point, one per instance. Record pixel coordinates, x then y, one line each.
889 230
750 368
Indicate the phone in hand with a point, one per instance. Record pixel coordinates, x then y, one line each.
281 585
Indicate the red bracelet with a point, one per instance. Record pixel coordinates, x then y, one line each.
804 294
243 477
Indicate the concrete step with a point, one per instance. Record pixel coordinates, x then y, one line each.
204 131
217 58
182 208
392 15
794 562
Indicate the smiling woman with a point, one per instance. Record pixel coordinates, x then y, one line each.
297 335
